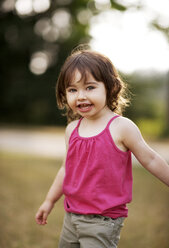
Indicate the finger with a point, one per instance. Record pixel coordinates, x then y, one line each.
39 217
45 215
38 221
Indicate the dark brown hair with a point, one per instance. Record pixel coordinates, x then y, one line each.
102 69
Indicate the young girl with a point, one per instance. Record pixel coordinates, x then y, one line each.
96 176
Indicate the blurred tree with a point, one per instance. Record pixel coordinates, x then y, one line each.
165 31
35 38
166 131
148 95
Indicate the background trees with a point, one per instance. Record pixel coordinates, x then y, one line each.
35 38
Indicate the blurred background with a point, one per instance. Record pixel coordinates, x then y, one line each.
35 38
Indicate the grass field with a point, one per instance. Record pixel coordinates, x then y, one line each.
24 182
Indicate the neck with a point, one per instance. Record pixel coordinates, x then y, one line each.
104 114
92 126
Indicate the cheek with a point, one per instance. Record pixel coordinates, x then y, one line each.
70 99
103 96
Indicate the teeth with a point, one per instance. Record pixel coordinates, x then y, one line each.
83 105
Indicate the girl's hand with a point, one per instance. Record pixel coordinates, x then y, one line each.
43 212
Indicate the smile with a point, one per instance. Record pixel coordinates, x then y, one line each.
84 107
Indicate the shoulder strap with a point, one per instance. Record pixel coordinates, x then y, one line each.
78 124
75 130
112 119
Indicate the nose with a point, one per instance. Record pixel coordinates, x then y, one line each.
81 95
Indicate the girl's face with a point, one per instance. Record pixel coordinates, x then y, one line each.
86 97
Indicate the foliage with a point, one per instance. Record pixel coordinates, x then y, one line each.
164 30
148 98
27 90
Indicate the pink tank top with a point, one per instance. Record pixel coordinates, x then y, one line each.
98 178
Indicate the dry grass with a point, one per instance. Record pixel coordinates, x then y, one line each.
147 225
24 183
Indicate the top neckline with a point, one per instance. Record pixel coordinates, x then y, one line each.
94 136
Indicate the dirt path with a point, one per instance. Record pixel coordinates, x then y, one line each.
44 143
49 142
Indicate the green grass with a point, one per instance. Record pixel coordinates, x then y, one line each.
152 129
24 182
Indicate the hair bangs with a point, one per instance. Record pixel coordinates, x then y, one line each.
85 66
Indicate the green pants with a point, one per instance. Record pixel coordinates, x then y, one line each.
90 231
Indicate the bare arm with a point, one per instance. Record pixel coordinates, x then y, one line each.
148 158
55 191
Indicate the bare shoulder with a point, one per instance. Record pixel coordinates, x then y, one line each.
71 126
129 129
125 133
124 125
69 129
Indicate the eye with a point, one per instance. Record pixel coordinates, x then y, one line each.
71 90
90 87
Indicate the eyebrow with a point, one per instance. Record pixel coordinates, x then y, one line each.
86 83
91 82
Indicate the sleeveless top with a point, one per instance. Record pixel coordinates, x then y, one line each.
98 175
